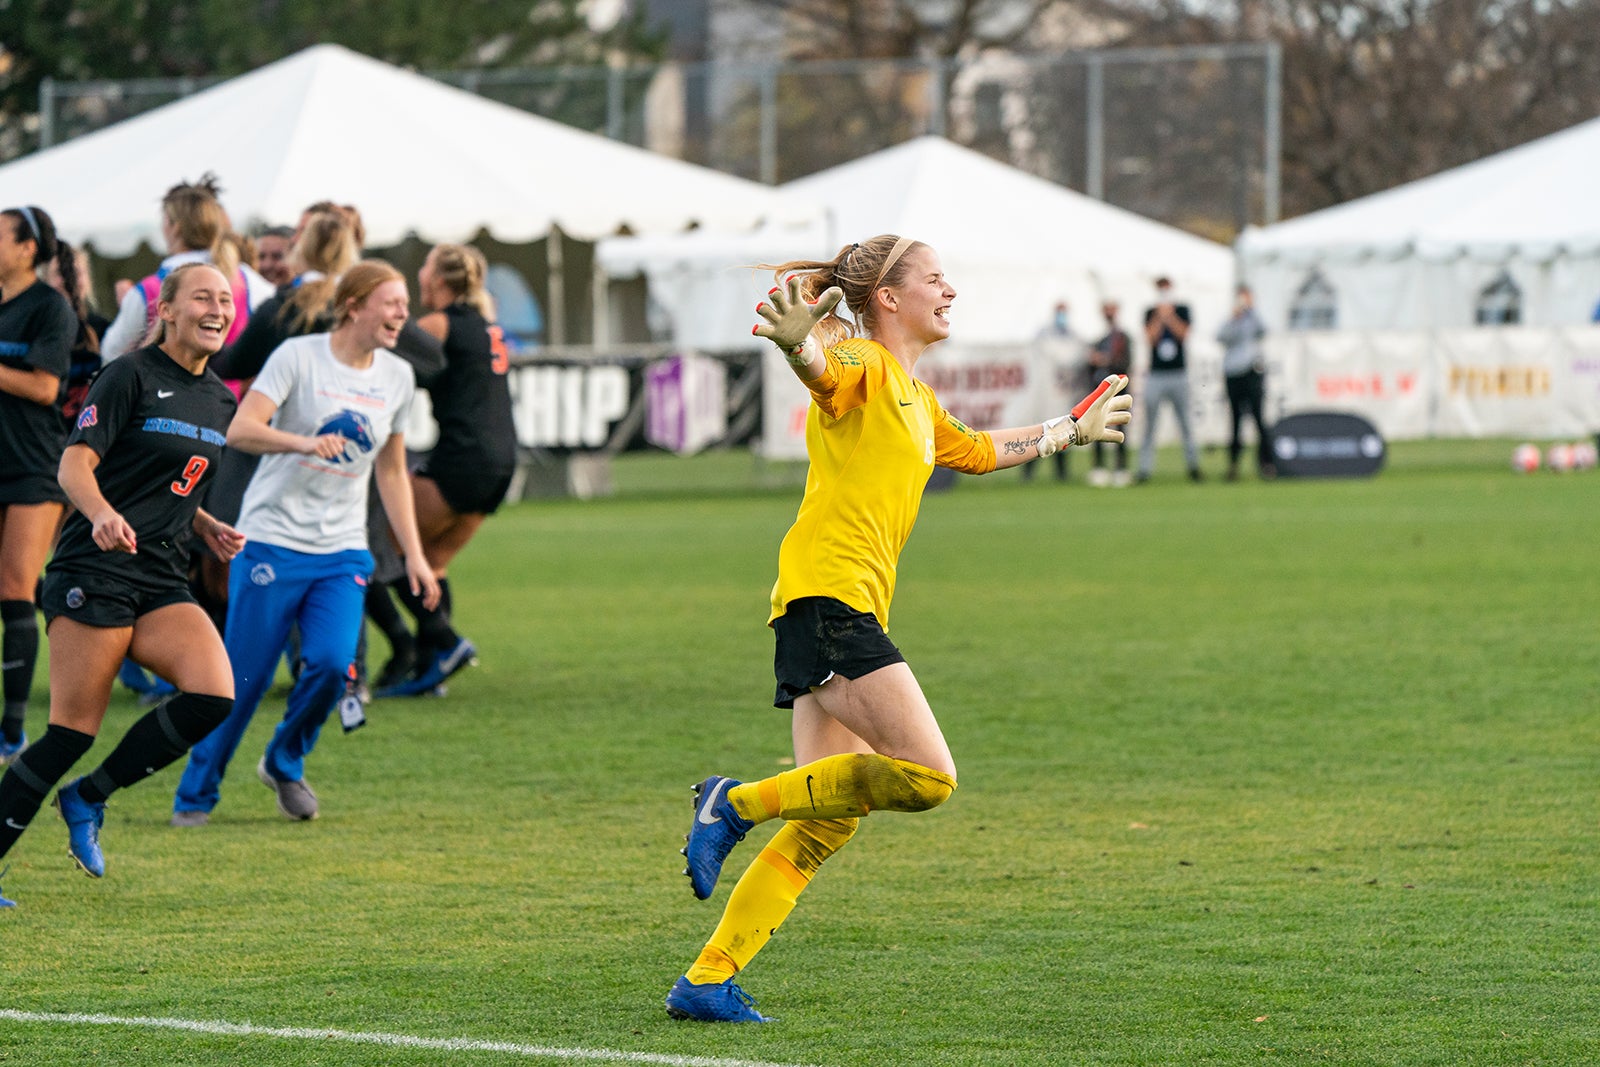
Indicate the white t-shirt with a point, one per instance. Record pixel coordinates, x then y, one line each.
304 502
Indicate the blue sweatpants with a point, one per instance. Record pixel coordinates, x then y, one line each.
268 589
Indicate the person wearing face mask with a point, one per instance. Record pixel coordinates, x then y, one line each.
135 468
1063 356
1166 329
327 410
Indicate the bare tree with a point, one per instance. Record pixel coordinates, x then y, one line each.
1380 92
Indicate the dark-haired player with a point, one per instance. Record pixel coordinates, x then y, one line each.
37 330
150 434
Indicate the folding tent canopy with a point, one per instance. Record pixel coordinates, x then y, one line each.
1011 243
1521 225
416 156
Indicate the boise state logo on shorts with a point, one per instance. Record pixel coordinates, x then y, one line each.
355 428
88 417
262 574
75 598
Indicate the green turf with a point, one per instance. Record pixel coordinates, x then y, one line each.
1254 773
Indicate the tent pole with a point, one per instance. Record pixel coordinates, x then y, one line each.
556 319
600 299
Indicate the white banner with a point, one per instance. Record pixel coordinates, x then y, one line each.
1482 382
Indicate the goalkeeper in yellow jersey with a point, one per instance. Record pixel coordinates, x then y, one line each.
865 738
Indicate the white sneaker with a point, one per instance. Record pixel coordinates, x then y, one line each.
1121 479
1099 477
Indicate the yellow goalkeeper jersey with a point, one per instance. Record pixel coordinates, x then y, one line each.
873 435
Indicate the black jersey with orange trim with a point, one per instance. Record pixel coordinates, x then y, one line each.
471 399
37 330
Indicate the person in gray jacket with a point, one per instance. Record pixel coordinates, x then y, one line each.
1244 371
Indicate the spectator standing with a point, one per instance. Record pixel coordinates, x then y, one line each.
1112 354
1166 329
1244 372
1057 339
37 330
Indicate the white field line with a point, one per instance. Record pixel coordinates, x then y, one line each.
448 1044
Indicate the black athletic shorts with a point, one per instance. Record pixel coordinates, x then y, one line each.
819 637
32 489
468 490
97 599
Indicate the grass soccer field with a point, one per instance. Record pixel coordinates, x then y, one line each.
1250 773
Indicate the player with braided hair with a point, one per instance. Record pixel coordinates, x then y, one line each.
865 737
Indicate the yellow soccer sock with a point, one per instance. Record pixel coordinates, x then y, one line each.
766 894
846 786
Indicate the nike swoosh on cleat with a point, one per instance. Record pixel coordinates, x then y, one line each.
711 802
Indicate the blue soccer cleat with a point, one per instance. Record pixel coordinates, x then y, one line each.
431 681
83 821
712 835
463 654
714 1002
10 750
5 901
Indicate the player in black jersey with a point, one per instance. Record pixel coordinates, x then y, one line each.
466 476
148 438
37 327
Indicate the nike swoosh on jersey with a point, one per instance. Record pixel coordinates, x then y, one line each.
13 824
907 403
163 393
711 802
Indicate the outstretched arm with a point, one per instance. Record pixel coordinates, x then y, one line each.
789 322
1095 418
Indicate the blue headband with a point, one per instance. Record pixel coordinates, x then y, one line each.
33 223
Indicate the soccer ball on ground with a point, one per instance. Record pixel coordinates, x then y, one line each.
1525 458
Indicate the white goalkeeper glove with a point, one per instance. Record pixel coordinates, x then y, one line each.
790 320
1093 419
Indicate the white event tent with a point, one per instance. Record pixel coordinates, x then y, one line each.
416 156
1523 224
1011 243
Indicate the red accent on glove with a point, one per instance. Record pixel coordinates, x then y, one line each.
1087 402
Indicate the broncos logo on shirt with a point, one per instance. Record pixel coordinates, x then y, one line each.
354 427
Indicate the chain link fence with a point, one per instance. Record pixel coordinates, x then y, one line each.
1189 136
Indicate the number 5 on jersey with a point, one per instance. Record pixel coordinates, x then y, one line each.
190 477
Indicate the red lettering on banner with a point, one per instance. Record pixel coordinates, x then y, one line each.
1367 386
